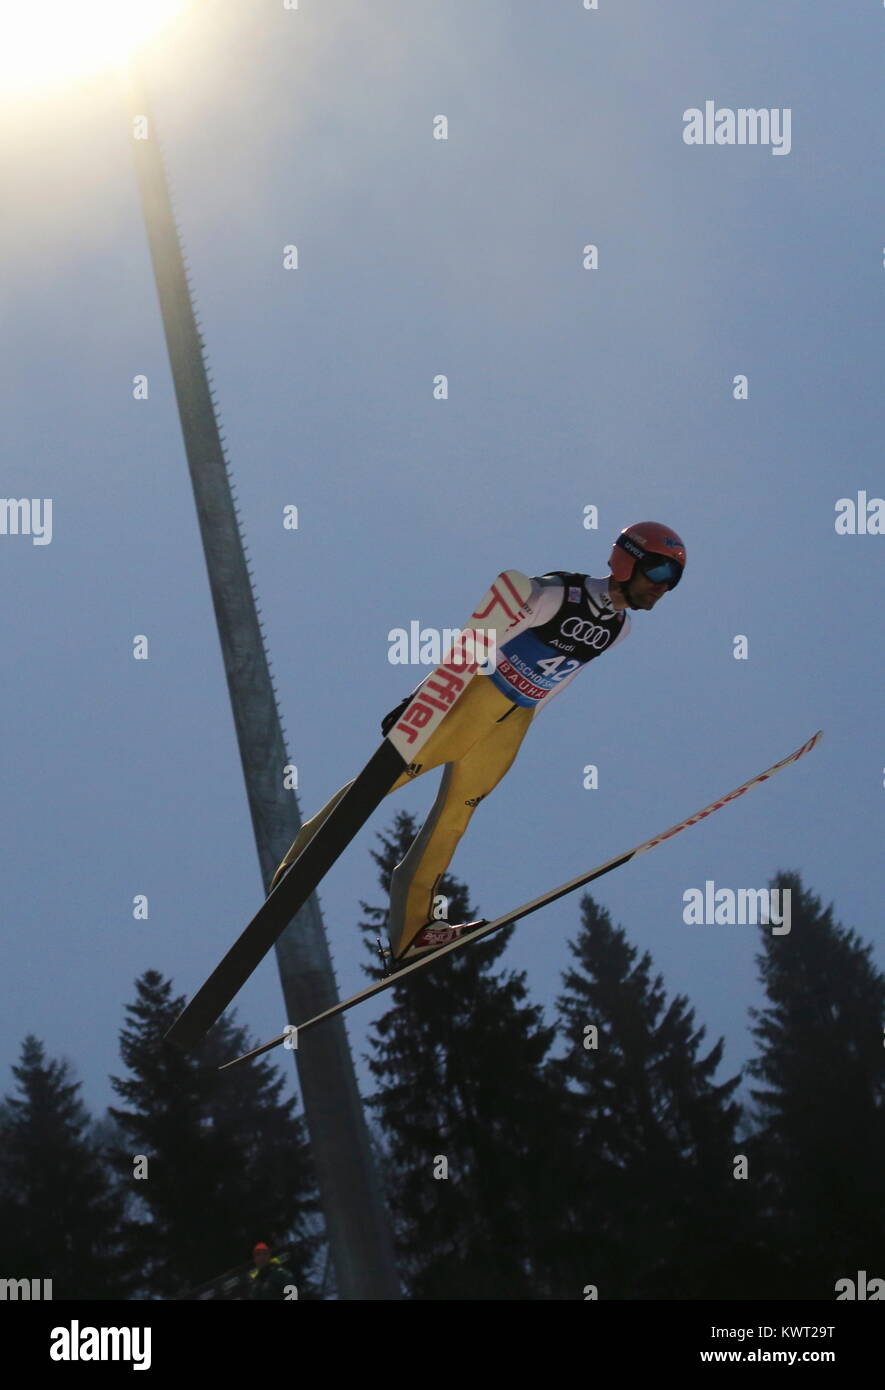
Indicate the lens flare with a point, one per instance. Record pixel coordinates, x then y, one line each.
48 42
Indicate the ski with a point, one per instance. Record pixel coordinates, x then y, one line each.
518 913
500 608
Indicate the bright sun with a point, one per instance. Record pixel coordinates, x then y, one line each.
44 42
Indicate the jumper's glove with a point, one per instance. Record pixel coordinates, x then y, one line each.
390 719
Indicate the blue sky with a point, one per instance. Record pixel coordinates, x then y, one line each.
566 388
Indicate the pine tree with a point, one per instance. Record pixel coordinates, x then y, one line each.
459 1065
656 1209
226 1158
821 1109
59 1211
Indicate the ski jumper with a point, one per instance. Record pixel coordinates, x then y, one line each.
569 622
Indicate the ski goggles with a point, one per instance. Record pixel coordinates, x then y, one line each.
660 570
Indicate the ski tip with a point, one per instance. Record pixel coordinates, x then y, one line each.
235 1062
256 1052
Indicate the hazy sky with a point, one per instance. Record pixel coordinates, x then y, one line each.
567 388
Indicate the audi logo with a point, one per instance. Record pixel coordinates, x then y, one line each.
584 631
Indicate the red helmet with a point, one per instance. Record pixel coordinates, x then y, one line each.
644 539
